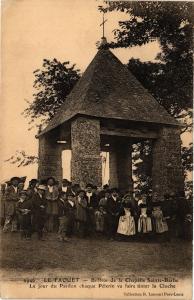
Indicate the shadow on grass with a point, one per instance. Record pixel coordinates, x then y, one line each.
90 255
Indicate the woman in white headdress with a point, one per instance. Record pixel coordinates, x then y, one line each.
126 226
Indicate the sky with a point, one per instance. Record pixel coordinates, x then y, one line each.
32 31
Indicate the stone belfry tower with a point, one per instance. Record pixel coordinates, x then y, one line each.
108 110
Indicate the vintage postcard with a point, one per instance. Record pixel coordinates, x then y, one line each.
96 151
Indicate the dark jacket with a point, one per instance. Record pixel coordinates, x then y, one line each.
31 191
65 208
26 204
38 204
113 207
93 202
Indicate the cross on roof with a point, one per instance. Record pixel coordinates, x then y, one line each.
102 24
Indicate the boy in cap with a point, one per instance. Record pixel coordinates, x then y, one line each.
24 210
39 211
11 198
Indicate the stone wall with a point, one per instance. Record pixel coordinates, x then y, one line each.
86 165
50 160
167 172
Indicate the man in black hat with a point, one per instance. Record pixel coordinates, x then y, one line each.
39 211
74 189
66 186
113 208
24 210
11 198
103 191
92 205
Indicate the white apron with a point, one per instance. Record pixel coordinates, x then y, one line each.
126 224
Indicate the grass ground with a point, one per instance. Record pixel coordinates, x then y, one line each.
93 256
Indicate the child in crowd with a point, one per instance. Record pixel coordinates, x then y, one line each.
42 205
24 210
144 221
66 208
101 213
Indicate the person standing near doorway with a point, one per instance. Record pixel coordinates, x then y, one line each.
66 186
39 211
92 205
113 212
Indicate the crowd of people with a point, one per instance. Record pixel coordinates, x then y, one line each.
66 209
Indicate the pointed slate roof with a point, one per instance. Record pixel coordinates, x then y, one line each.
108 89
